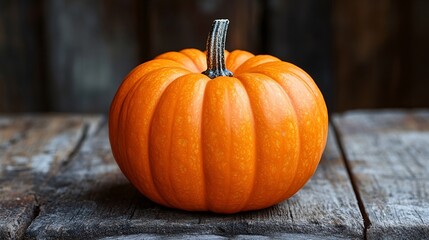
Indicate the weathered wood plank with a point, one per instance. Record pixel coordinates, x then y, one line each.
32 149
389 156
294 236
91 199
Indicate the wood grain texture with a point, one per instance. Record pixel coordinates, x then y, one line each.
32 149
389 158
294 236
91 198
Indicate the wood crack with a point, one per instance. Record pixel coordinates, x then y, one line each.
87 129
64 164
132 206
78 145
364 213
36 211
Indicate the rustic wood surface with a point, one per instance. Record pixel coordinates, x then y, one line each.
59 181
91 198
32 150
388 153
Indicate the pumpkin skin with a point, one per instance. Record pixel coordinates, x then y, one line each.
224 145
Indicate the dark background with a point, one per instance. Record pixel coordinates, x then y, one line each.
71 55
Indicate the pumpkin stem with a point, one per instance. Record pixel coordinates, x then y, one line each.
215 47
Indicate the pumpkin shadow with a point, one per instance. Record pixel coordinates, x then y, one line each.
118 195
122 198
119 207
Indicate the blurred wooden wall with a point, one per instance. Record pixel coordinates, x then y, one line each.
59 55
381 53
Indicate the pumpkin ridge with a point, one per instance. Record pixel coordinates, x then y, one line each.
123 114
170 146
245 205
286 192
292 69
319 107
175 57
243 68
141 67
150 124
121 141
216 133
185 52
122 93
262 126
295 70
300 79
316 96
171 184
131 93
176 202
206 200
235 59
228 156
305 84
319 110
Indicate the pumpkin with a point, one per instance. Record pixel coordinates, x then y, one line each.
218 131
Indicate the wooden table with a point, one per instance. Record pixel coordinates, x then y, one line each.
59 180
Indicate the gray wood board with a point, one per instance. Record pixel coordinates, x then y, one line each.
92 199
32 149
294 236
388 153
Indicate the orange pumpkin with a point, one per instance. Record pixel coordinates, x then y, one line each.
219 140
